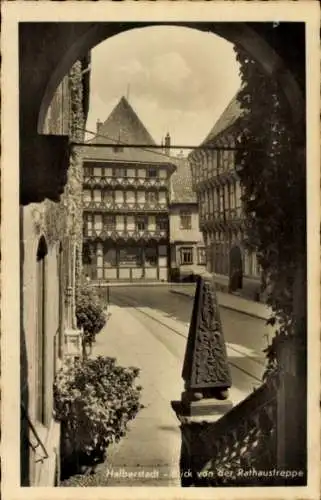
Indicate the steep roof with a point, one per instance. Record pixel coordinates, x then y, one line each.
229 116
123 126
181 183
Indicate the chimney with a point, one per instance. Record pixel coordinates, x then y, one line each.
98 126
167 144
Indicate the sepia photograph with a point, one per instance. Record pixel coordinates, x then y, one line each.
160 249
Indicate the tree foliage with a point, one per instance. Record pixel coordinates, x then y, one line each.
272 172
89 312
94 399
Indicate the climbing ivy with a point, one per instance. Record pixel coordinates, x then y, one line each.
272 173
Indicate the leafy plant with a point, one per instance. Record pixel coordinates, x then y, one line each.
94 400
89 312
271 164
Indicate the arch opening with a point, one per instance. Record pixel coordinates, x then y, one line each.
256 44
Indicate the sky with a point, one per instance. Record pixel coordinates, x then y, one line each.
178 80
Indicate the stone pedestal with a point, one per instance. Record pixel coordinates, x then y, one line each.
73 343
207 379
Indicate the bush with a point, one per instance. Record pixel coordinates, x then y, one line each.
89 312
94 400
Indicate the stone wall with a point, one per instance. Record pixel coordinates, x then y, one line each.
59 225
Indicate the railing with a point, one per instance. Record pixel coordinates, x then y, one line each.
133 182
126 235
39 443
125 207
231 217
231 451
216 179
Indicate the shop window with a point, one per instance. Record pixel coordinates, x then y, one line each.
185 220
151 256
130 256
186 255
110 259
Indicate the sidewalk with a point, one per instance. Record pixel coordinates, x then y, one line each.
229 301
152 444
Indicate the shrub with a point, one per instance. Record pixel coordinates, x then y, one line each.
89 312
94 400
274 201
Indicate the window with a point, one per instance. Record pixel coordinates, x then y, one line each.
225 158
98 222
161 223
88 171
211 201
201 256
41 326
221 208
109 222
119 172
108 196
98 171
152 172
88 225
87 195
186 220
219 162
97 195
141 223
186 255
232 196
151 197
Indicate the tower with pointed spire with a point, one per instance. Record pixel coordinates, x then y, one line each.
125 192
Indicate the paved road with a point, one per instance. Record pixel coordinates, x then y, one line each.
246 336
147 328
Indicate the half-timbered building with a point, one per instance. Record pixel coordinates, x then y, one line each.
219 193
125 201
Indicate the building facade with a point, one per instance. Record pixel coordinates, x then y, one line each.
187 248
219 193
51 233
125 201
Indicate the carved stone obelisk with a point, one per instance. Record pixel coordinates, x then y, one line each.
206 371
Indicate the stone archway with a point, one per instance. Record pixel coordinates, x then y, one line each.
43 66
241 34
